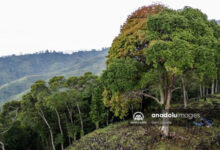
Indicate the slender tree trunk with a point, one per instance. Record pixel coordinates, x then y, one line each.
2 144
200 89
187 96
216 86
107 122
60 126
169 94
68 132
69 140
81 120
184 93
203 92
70 111
97 125
207 91
108 118
50 129
213 88
165 125
162 96
74 137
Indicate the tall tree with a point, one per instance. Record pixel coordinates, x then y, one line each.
176 43
98 111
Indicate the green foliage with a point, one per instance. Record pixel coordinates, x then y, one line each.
98 111
59 139
56 82
19 138
9 107
174 44
121 75
18 73
157 47
59 104
38 87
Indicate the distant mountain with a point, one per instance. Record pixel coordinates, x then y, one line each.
218 21
19 72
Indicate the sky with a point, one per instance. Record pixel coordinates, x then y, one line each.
28 26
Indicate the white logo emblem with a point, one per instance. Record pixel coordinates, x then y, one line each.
138 116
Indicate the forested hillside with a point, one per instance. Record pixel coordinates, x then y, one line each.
19 72
164 63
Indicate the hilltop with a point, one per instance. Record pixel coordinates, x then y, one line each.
19 72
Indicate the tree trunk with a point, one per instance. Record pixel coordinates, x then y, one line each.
74 137
68 132
203 92
213 88
70 111
2 144
165 125
184 94
69 140
97 125
108 118
216 86
187 96
200 89
161 95
169 94
60 126
81 120
50 130
207 91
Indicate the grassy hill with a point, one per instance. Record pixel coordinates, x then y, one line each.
19 72
124 136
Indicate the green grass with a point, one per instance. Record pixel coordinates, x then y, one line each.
125 136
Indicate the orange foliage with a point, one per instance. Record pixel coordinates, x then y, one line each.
131 40
141 14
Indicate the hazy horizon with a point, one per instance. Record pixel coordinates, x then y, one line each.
68 26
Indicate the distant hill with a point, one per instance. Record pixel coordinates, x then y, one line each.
218 21
19 72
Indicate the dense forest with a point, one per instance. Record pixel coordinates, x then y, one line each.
19 72
161 57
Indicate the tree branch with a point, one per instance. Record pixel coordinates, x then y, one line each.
146 95
177 88
150 96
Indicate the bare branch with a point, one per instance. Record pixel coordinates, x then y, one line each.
141 92
177 88
150 96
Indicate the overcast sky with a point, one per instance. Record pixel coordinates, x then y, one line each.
28 26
